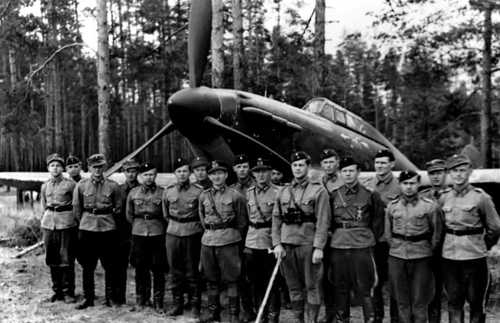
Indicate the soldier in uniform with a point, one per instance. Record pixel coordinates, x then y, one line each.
388 188
183 239
241 167
199 167
96 204
74 168
130 169
413 231
59 227
224 218
357 224
258 261
472 226
436 170
301 218
276 177
145 213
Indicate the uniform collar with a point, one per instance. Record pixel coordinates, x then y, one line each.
352 189
77 178
461 191
220 189
150 188
245 182
302 182
96 180
183 186
56 180
330 177
409 199
132 184
262 189
386 179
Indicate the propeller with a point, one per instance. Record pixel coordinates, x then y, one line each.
169 127
200 26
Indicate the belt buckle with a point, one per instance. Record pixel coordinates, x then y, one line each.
147 217
94 210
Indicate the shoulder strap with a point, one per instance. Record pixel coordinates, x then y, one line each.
212 201
257 203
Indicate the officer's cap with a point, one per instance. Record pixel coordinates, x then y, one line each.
199 161
179 162
218 165
407 174
146 167
240 159
384 153
130 164
55 157
72 160
347 161
299 155
96 160
435 165
457 160
327 153
261 164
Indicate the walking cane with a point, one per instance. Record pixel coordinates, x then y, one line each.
268 290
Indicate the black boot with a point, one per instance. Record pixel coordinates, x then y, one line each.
234 309
88 289
178 307
158 290
108 289
297 311
213 314
368 310
273 311
68 279
57 284
312 311
247 309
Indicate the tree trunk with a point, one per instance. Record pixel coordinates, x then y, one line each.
319 46
238 43
486 110
217 44
58 113
104 111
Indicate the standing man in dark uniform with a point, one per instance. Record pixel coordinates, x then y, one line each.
183 239
59 227
357 225
436 170
413 231
130 169
388 188
331 180
258 261
472 226
145 213
199 167
97 203
74 168
224 218
301 218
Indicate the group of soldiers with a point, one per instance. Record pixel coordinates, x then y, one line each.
336 239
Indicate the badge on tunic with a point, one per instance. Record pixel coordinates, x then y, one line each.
359 213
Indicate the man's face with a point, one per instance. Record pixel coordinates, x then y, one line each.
383 165
276 176
200 173
300 168
97 170
55 168
218 178
350 174
262 176
242 170
148 178
330 165
182 174
460 175
130 174
437 177
74 169
410 186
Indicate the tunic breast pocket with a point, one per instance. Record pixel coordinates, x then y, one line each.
138 204
398 221
308 206
191 203
252 207
88 199
468 214
156 202
106 198
421 222
267 207
227 208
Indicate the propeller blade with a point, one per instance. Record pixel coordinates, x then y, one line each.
222 126
200 27
169 127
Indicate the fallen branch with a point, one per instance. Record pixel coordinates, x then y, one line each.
29 249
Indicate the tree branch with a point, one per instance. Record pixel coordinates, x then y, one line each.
4 11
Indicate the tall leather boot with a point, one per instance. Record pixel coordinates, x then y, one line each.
57 284
108 289
195 301
158 290
213 314
88 289
393 310
477 316
312 311
297 311
273 309
455 315
68 281
368 310
178 308
234 309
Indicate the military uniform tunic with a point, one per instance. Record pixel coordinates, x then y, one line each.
243 185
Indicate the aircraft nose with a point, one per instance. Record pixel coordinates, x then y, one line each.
191 106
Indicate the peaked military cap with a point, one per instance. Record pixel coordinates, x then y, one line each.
218 165
384 153
347 161
240 159
407 174
145 167
299 155
96 160
327 153
130 164
199 161
55 157
435 165
457 160
179 162
261 164
71 160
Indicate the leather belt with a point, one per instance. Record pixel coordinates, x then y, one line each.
97 211
60 208
147 216
260 225
218 226
412 238
349 225
464 232
184 220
